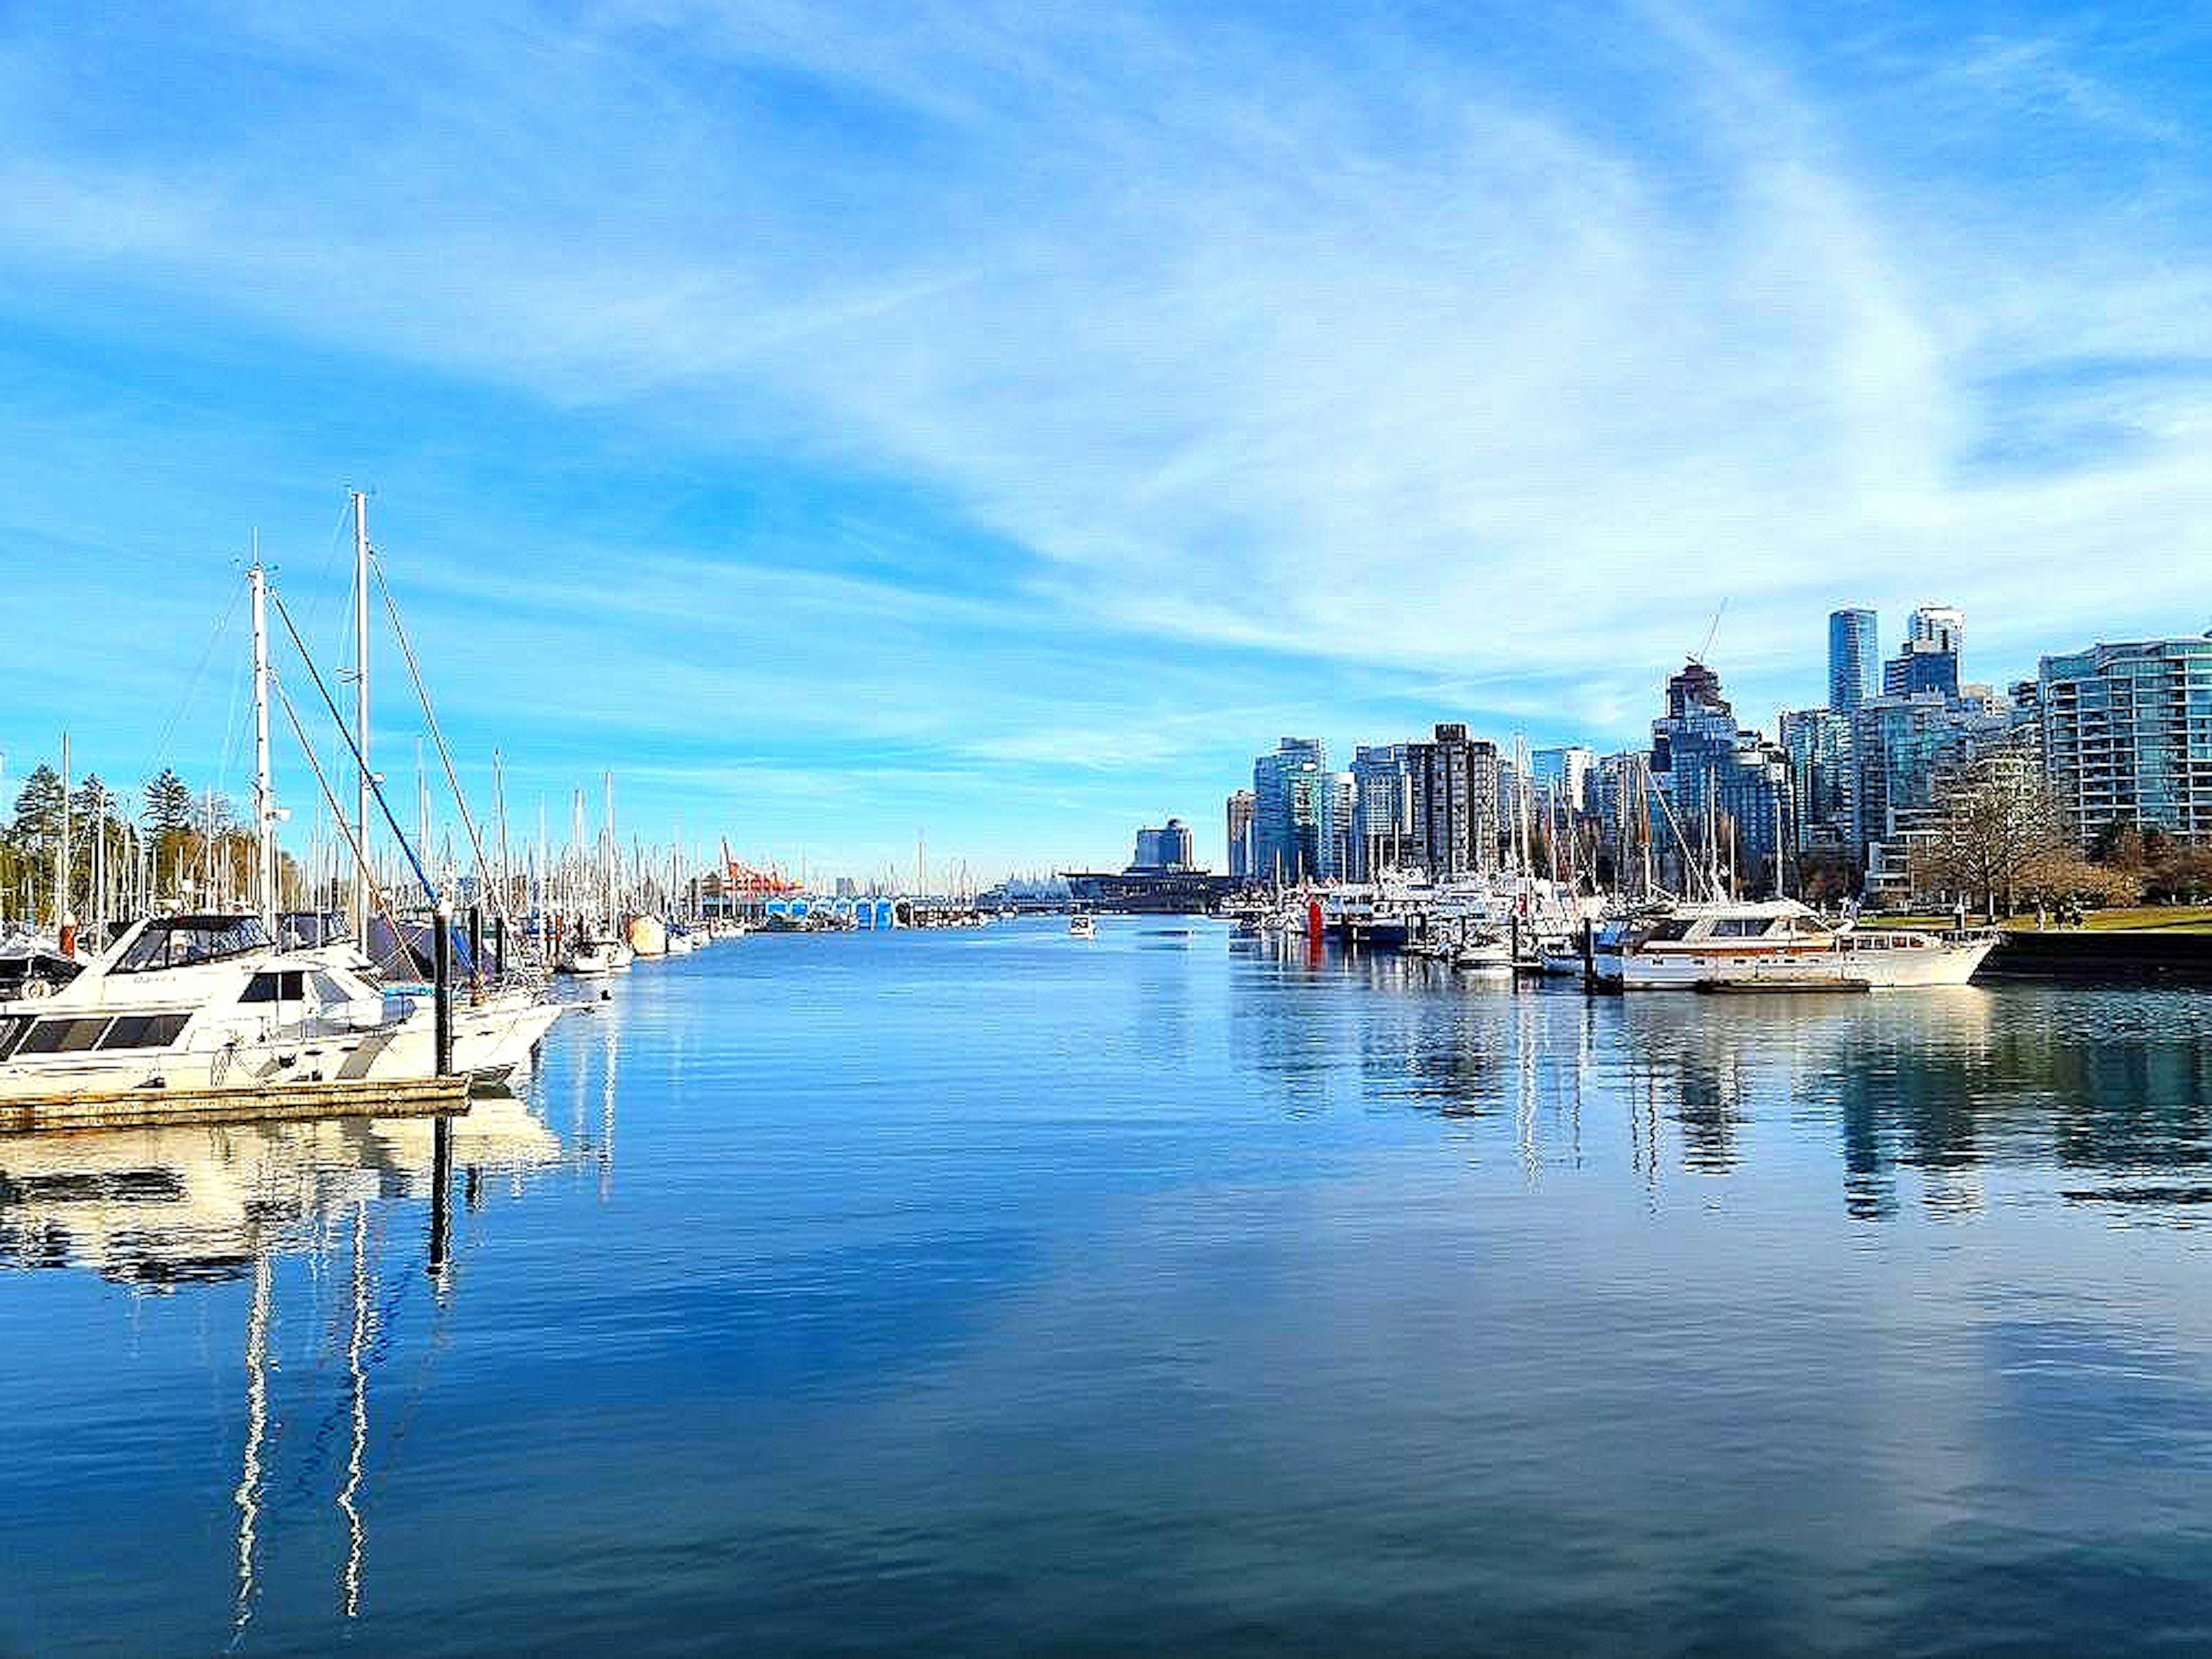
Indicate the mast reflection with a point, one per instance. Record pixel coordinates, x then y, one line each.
158 1210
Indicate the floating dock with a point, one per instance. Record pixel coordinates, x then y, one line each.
144 1109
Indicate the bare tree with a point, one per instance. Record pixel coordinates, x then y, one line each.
2001 823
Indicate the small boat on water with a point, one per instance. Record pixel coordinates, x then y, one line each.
1780 945
1081 926
1483 953
591 959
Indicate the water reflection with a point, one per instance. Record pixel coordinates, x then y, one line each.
1943 1088
161 1211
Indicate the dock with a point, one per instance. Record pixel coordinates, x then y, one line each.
148 1109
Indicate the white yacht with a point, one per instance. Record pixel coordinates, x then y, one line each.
209 1002
1779 945
593 958
1081 926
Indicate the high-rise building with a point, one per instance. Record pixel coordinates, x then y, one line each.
1562 777
1818 741
1939 627
1903 750
1168 847
1342 860
1381 809
1454 807
1240 835
1726 789
1930 660
1854 658
1291 809
2127 734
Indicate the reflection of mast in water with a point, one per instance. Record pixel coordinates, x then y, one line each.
248 1495
1524 1104
607 1120
348 1495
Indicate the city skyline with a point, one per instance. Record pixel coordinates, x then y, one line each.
992 495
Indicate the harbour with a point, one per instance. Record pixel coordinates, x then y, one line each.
1204 1264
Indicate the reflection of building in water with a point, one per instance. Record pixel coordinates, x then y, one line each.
157 1209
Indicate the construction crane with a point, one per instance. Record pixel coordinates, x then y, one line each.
1699 655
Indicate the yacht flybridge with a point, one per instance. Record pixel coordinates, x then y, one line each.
210 1002
1778 944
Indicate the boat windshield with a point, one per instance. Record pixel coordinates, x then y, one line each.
185 941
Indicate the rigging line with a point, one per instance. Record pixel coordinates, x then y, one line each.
192 690
444 755
383 904
375 788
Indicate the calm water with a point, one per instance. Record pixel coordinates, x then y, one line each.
988 1293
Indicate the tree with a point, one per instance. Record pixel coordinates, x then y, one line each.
2000 823
2183 876
2064 878
169 804
38 825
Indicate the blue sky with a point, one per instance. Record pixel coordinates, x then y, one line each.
1002 421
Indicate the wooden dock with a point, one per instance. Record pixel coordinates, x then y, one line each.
146 1109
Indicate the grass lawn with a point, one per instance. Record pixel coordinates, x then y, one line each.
2141 918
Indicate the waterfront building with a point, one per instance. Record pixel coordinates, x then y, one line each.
1903 749
1240 835
1929 662
1726 789
2127 734
1168 847
1454 783
1818 741
1292 811
1381 809
1854 659
1342 862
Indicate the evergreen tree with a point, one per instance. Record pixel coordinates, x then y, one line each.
169 804
37 824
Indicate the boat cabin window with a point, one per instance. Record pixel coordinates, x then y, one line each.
287 985
145 1031
1740 927
1667 932
185 941
328 990
63 1036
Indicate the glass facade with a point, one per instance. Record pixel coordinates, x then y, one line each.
1854 659
1292 809
1240 835
2127 735
1902 750
1818 741
1727 789
1381 810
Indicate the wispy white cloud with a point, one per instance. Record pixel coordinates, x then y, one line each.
1498 362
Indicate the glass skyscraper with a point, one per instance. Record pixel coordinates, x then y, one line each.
1854 659
2127 735
1292 810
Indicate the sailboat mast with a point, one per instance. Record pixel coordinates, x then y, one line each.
360 708
64 923
264 795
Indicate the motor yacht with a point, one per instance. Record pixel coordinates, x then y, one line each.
1779 945
210 1001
